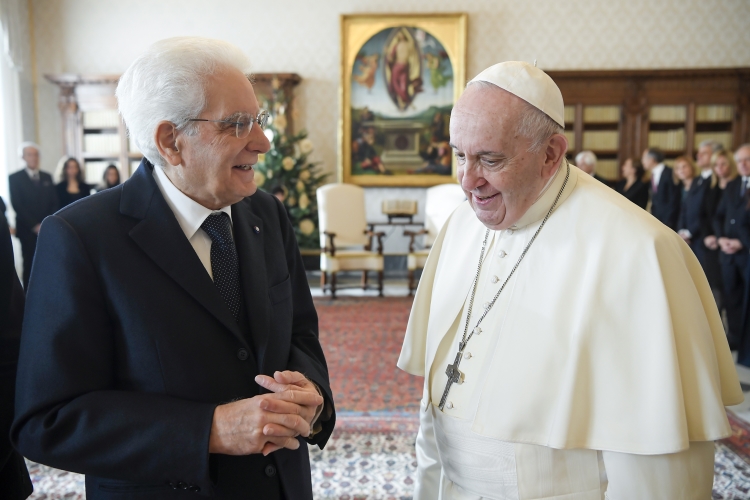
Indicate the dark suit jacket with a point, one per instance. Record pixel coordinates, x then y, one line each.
638 192
128 347
14 478
729 220
692 207
665 202
31 202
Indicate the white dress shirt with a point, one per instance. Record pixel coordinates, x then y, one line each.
656 173
33 174
706 173
190 215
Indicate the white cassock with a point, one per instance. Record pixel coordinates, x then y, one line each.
602 371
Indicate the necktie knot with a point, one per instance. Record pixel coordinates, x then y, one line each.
218 228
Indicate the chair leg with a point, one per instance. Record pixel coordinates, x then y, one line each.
411 281
380 283
323 281
364 280
333 285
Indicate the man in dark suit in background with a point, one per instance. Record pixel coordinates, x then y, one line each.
15 483
32 194
161 312
734 242
665 194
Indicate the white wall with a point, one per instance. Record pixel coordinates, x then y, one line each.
302 36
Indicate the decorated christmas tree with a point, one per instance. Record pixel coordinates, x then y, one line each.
286 172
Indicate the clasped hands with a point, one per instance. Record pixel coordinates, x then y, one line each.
730 245
267 422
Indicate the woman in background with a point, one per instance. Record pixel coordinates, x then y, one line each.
71 187
632 186
691 200
724 167
110 179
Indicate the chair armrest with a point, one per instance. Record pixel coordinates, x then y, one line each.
379 235
331 246
412 235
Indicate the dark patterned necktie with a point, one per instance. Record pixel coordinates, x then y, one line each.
224 263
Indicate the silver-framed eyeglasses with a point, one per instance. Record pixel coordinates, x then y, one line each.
242 122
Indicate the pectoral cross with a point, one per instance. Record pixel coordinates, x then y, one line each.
455 376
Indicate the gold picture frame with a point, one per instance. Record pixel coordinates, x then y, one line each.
401 74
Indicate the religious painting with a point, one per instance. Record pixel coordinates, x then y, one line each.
401 75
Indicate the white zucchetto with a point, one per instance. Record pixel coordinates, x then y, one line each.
530 84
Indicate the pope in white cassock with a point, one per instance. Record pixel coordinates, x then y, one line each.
569 341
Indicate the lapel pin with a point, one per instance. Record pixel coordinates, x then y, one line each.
256 229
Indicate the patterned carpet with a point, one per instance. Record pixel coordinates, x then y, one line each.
371 454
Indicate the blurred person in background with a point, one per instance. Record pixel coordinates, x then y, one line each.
110 179
71 186
632 186
732 242
665 194
710 194
33 196
687 175
14 477
586 161
742 157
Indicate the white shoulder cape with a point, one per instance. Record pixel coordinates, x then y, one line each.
612 340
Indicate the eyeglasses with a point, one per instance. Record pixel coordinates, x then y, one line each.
243 124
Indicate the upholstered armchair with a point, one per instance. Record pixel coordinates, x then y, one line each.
440 203
345 241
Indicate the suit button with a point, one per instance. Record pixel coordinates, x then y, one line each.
181 485
731 221
270 470
242 354
194 489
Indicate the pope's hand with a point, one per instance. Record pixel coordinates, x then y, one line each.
262 424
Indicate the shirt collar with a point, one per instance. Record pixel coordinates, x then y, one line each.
546 198
706 173
189 213
658 169
32 173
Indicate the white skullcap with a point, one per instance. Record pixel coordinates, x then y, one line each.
530 84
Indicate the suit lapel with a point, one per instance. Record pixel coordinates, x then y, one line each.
253 278
161 238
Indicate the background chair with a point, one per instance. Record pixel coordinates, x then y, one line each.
440 203
345 241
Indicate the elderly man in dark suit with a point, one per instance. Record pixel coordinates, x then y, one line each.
32 194
170 345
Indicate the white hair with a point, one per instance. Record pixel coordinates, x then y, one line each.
587 158
27 144
168 83
534 124
714 145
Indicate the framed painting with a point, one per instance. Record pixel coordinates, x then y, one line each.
400 76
